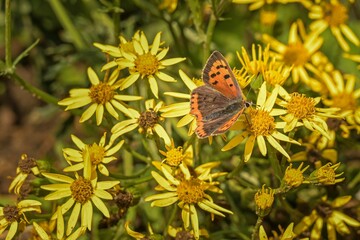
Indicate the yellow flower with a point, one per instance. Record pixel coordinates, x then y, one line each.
147 122
147 62
138 235
256 4
100 154
344 95
288 234
328 213
264 200
12 216
25 167
176 156
181 109
260 125
188 190
42 234
83 192
101 95
181 233
297 53
333 15
294 177
326 175
299 108
313 153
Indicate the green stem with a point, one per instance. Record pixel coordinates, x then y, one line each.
66 22
255 235
37 92
287 149
236 171
171 218
275 165
209 35
116 18
8 58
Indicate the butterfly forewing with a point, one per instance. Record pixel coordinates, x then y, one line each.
218 75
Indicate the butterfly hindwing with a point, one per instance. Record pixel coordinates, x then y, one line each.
218 75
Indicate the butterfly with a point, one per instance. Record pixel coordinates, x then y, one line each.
219 103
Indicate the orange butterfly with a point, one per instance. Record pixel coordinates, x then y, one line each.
219 103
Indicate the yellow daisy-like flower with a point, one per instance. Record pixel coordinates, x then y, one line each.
181 109
26 166
148 122
12 216
297 53
326 175
294 177
299 108
101 96
344 95
188 190
288 234
100 154
334 15
83 192
256 4
259 126
264 199
175 156
147 62
328 213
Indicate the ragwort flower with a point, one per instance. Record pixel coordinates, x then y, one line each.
334 15
148 122
82 192
256 4
260 125
101 96
26 166
328 213
288 234
326 175
188 190
294 177
147 62
100 154
297 53
12 216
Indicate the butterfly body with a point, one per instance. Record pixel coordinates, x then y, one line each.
217 104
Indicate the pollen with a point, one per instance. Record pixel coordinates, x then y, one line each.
175 156
296 54
191 191
344 101
335 14
264 198
262 124
97 153
26 164
11 213
301 106
81 190
147 64
101 93
148 119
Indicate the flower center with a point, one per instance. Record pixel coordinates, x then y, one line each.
191 191
148 119
261 122
264 198
11 213
97 153
293 177
26 164
301 106
335 14
146 64
344 101
101 93
174 156
81 190
296 54
326 175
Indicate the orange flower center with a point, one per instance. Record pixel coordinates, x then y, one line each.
81 190
101 93
335 14
191 191
97 153
175 156
261 122
301 106
146 64
344 101
296 54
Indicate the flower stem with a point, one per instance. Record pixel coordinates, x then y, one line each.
66 22
238 168
255 235
209 35
274 161
117 19
8 58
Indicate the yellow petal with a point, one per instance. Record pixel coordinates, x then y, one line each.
73 218
93 77
100 205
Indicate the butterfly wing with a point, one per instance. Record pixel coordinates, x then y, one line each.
218 75
213 111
